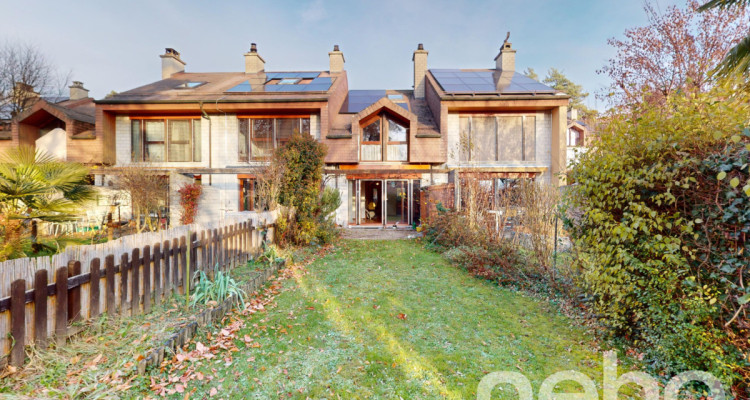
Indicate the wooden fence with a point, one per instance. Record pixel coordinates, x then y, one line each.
126 282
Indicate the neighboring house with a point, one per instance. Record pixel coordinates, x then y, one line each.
578 137
384 146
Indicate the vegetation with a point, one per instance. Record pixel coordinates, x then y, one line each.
36 187
558 81
148 195
514 246
673 53
396 323
296 176
737 60
189 195
663 242
217 290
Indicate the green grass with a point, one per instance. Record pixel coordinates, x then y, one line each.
335 332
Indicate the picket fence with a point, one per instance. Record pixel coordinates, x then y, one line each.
40 297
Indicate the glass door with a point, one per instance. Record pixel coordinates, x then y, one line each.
397 202
371 202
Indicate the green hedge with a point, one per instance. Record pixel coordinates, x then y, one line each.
662 239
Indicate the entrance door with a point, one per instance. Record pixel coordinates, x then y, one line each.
397 202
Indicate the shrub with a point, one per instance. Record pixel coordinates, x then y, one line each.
662 242
222 287
189 195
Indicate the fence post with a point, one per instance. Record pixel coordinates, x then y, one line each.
94 288
186 273
146 279
175 265
109 264
183 264
74 295
124 267
61 304
18 321
135 300
157 274
40 307
167 253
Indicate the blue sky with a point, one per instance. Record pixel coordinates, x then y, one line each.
115 45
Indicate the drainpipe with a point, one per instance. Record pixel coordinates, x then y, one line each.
204 115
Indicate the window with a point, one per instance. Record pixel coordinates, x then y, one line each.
385 139
258 137
160 140
498 138
248 194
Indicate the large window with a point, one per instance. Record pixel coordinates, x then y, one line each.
166 140
258 137
384 139
498 138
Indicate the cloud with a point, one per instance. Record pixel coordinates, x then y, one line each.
315 12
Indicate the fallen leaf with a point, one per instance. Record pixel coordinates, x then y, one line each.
401 316
213 392
75 359
179 388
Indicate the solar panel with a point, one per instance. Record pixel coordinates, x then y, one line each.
242 87
358 100
458 81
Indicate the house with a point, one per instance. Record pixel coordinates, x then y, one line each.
61 127
578 137
384 146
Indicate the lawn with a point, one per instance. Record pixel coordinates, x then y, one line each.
380 320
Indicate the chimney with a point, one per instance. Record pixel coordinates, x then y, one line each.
254 63
77 91
420 70
506 59
573 114
171 63
336 59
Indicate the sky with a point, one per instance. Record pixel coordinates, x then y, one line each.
116 45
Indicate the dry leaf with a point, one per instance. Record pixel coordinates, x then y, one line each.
401 316
213 392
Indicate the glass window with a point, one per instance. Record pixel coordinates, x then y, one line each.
396 131
197 140
371 133
154 141
304 126
288 81
285 128
179 141
262 139
244 134
136 141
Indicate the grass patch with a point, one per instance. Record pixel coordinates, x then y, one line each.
381 319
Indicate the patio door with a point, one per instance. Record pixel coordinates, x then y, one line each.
397 202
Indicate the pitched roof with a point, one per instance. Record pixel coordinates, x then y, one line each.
481 81
231 86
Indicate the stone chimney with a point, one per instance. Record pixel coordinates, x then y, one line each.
254 63
336 60
171 63
506 59
77 91
420 70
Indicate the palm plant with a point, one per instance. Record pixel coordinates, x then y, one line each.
737 60
35 186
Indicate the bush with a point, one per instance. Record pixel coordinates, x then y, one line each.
662 241
308 217
189 195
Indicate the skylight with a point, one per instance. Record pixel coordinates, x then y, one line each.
189 85
289 81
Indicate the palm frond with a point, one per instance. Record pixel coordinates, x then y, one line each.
723 4
737 60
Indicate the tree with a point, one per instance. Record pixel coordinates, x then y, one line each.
674 52
25 75
737 60
34 186
148 195
531 73
558 81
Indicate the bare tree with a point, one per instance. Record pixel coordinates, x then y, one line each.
26 74
148 195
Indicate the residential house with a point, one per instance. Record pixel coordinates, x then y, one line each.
384 146
578 137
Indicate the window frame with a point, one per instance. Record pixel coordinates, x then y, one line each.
382 119
139 154
250 134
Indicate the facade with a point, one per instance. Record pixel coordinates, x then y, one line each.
578 137
384 146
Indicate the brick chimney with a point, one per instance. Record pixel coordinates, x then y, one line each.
77 91
336 60
506 59
573 114
420 70
254 63
171 63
